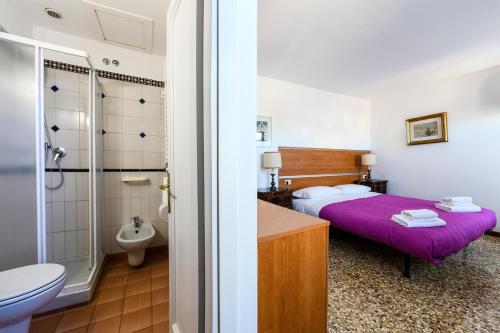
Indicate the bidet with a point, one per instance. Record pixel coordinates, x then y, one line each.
134 240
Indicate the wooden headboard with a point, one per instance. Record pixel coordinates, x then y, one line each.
307 167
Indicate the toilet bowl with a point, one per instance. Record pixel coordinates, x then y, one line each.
24 291
135 240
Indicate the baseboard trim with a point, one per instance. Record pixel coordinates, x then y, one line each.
493 233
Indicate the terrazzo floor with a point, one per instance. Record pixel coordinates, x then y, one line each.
368 293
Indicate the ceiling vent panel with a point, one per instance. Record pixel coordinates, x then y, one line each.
122 28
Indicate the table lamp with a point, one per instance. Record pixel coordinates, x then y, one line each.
369 160
272 161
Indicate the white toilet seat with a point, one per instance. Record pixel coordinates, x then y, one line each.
22 283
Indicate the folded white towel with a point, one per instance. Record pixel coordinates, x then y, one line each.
408 223
419 214
448 203
456 200
459 209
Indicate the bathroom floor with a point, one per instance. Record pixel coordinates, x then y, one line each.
126 300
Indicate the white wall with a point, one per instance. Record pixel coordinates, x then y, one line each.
131 62
309 117
466 165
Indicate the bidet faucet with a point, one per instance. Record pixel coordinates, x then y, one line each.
137 221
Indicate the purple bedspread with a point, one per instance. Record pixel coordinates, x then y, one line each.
371 218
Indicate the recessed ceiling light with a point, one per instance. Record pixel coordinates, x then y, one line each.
53 13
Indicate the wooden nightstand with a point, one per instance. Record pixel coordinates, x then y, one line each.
281 197
377 185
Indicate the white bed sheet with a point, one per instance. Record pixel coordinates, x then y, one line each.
313 206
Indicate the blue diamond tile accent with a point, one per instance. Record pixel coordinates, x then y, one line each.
102 95
55 128
54 88
103 132
142 135
142 101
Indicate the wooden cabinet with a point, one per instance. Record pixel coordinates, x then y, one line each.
281 197
292 271
377 185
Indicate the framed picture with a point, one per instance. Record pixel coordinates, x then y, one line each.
264 131
427 129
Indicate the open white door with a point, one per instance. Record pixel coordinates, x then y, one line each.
185 164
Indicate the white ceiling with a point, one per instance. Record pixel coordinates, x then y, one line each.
79 19
353 46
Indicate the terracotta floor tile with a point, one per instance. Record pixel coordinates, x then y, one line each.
78 330
110 294
111 325
137 302
140 274
114 271
138 287
107 310
112 281
159 270
75 318
136 320
159 282
160 313
159 296
145 330
46 324
161 327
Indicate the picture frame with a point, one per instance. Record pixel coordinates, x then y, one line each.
432 128
264 131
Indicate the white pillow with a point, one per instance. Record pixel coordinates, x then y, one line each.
353 188
316 192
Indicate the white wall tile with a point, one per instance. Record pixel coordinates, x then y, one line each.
67 100
49 98
132 125
84 103
84 159
72 159
154 206
132 108
152 160
70 244
70 186
48 182
113 89
57 216
132 142
48 217
48 247
58 246
83 243
145 209
152 94
115 247
68 120
82 215
84 84
135 207
84 139
82 186
132 91
106 187
50 116
49 77
113 159
67 80
70 216
152 110
115 185
135 190
112 106
152 127
68 139
152 144
113 124
125 211
106 216
133 160
112 141
115 207
84 121
57 194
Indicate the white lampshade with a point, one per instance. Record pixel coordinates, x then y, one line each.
271 160
369 159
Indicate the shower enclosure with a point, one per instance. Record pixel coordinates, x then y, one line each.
50 162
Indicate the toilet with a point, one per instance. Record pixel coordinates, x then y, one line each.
135 240
24 291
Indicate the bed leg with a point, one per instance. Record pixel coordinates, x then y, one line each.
407 266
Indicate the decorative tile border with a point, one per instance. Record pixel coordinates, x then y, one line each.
104 74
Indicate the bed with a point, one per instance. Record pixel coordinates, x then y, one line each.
367 215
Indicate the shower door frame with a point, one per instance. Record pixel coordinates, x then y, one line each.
39 47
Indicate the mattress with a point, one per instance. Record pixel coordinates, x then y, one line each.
369 216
